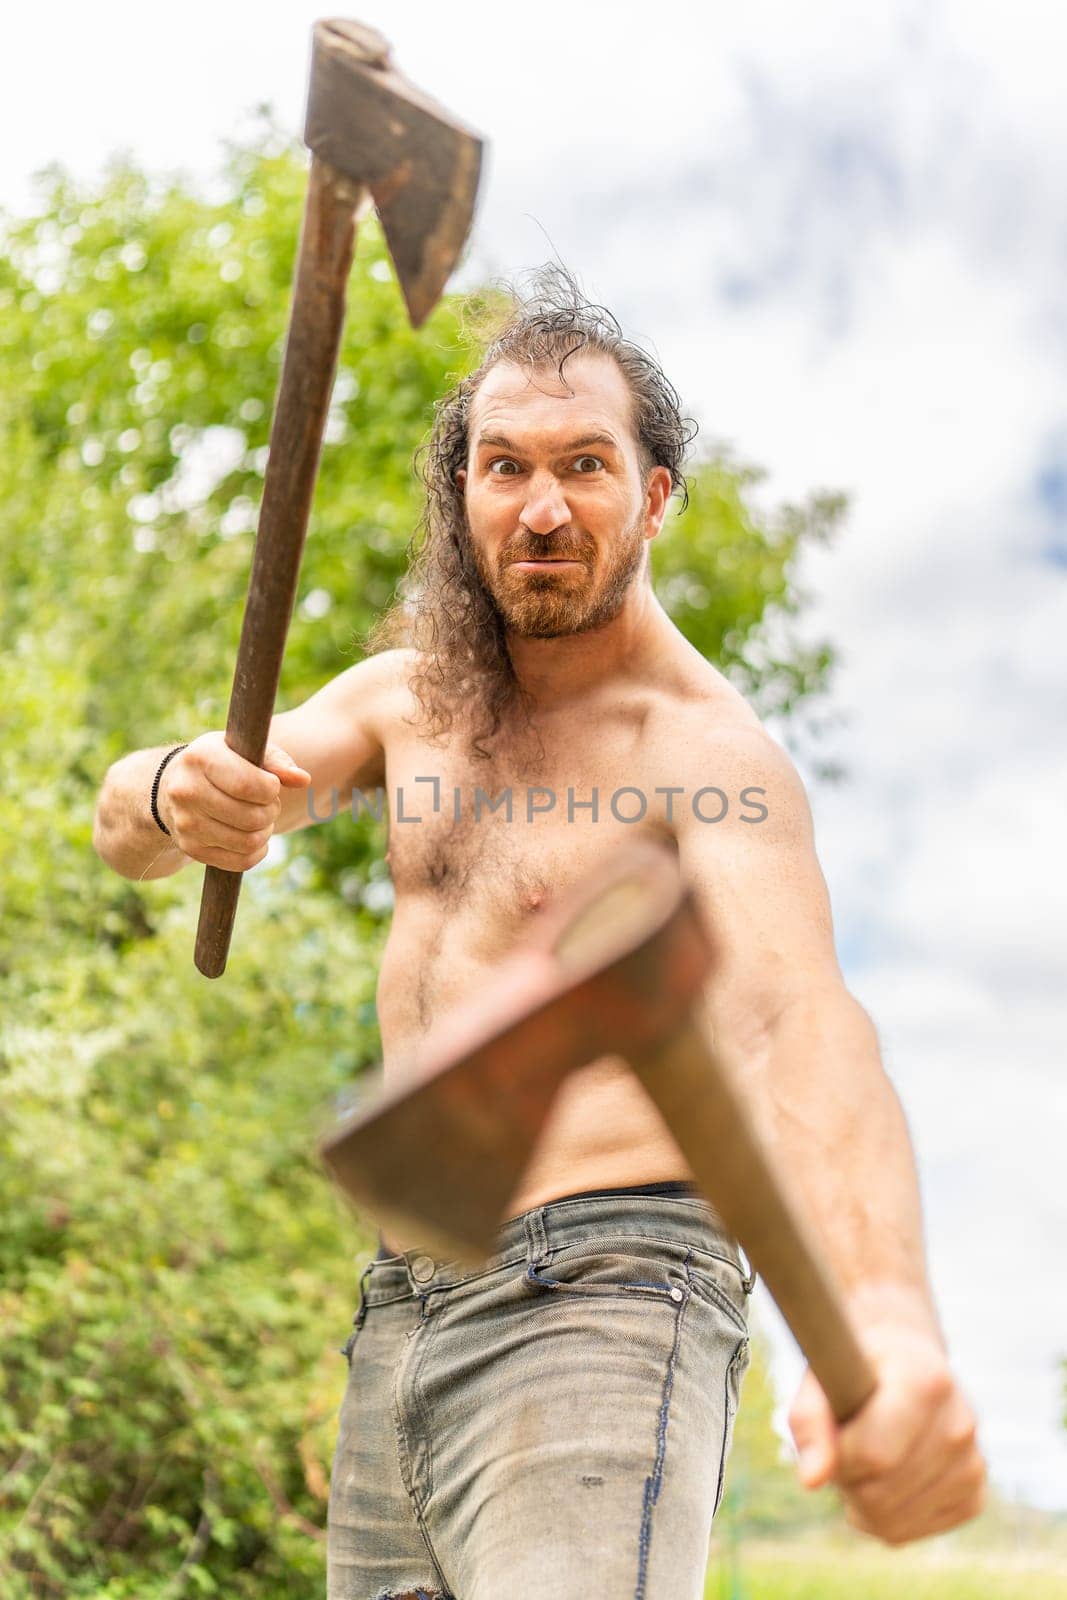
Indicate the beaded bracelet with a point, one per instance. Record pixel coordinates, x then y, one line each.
155 786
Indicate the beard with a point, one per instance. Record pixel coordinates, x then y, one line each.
547 605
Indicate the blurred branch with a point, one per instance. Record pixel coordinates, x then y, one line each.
287 1512
200 1540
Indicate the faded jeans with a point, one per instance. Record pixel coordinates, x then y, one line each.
553 1424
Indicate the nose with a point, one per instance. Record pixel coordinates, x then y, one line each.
546 507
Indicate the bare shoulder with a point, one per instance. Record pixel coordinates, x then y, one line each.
387 684
361 692
713 740
339 735
698 702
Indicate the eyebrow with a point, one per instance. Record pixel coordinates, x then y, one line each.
500 441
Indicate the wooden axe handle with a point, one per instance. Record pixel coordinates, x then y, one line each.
716 1135
316 320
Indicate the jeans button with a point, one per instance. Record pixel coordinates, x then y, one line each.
676 1294
422 1268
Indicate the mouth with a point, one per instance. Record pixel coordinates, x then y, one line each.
543 566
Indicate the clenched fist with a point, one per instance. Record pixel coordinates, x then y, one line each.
908 1464
220 808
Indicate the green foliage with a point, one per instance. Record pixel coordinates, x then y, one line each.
175 1275
174 1286
727 579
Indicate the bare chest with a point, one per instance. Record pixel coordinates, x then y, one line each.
492 842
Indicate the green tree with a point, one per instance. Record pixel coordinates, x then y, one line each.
175 1275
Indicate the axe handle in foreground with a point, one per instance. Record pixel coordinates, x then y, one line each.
316 320
698 1100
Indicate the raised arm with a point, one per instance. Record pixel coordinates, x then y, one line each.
807 1054
223 810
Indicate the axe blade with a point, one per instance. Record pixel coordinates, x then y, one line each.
420 164
439 1163
613 969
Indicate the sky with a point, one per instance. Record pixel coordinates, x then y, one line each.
843 230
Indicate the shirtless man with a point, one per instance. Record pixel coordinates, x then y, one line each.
564 1430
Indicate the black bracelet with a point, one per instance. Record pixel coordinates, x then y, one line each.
155 786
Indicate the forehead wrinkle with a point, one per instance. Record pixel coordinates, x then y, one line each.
502 441
511 390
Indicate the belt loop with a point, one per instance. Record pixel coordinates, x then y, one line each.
362 1309
536 1235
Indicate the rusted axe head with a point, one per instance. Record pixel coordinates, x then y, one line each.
614 969
421 166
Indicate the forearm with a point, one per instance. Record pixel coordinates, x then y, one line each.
125 835
837 1129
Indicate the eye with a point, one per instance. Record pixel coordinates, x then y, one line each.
503 467
587 464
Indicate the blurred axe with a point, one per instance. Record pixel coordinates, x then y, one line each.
615 968
374 138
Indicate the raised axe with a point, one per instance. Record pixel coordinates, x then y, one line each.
616 967
374 138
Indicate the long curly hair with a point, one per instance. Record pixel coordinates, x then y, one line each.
464 673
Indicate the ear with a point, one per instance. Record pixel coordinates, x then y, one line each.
657 494
461 479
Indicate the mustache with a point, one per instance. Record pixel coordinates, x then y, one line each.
547 549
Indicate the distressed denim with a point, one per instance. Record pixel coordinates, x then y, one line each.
553 1424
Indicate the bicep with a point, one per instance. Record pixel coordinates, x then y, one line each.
335 736
762 893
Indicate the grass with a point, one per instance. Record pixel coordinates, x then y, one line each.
851 1570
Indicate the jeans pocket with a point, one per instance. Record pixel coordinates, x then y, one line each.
720 1285
620 1269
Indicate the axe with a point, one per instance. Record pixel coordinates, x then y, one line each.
616 967
374 138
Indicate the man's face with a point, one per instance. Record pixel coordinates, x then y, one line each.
557 510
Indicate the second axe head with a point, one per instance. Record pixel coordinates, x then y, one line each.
614 969
421 166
